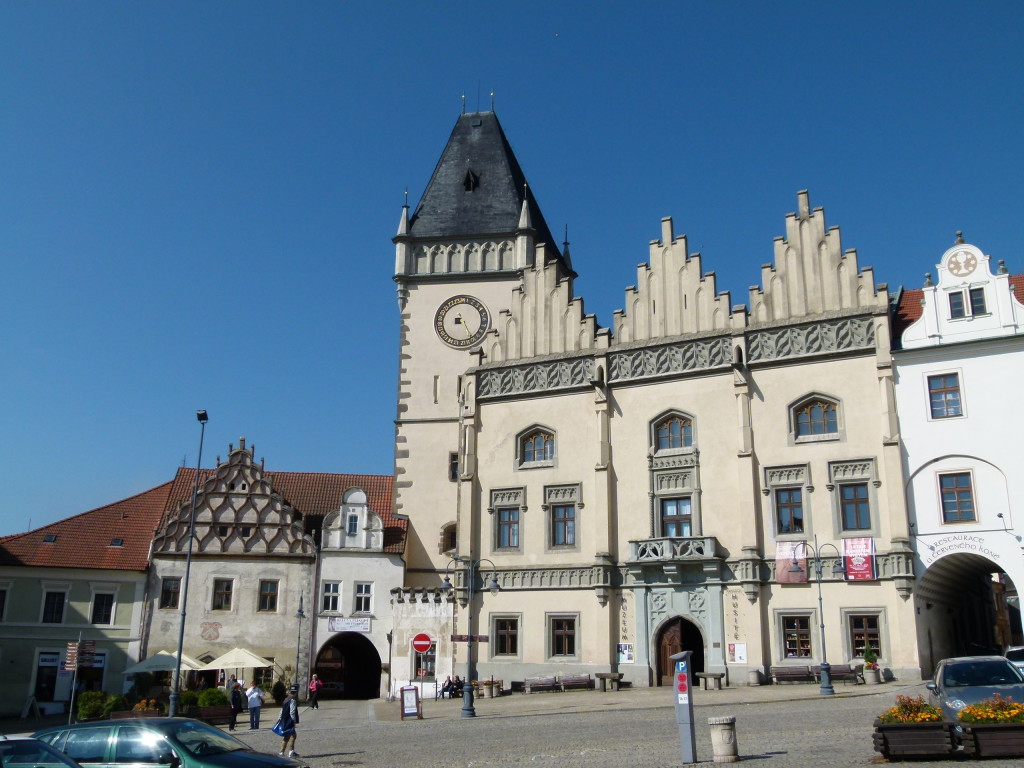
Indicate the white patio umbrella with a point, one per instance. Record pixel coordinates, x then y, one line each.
163 661
237 658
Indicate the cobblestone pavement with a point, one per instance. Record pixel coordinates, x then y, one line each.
777 726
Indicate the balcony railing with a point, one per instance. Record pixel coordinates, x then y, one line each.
690 548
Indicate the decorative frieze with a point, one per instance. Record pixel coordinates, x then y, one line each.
672 549
673 481
474 256
827 336
549 376
668 359
562 494
507 497
792 475
673 461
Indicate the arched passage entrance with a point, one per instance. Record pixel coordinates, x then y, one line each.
349 667
966 605
676 635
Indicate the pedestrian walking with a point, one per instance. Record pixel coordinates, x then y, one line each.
254 697
289 719
314 692
237 703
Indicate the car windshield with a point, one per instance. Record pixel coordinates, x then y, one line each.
980 672
29 752
202 739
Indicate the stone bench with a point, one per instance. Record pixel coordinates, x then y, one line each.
606 680
711 679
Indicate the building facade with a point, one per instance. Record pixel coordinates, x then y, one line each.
962 344
647 488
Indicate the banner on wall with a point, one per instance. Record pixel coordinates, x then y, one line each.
859 559
786 553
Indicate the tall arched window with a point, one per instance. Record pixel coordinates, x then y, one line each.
537 445
674 432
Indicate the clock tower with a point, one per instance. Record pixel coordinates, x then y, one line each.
458 260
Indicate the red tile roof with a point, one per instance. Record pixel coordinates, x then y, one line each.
84 541
314 494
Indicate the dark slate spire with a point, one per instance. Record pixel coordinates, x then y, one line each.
478 188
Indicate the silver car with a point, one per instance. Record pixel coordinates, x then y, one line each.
969 679
1015 653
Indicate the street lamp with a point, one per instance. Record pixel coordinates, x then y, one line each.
472 569
300 615
202 418
826 668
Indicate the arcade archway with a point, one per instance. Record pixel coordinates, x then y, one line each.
349 667
676 635
966 605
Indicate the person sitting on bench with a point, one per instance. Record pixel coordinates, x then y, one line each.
446 687
457 688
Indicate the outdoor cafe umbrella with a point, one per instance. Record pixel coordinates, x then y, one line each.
164 661
237 658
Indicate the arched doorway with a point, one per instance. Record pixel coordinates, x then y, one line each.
676 635
966 605
349 667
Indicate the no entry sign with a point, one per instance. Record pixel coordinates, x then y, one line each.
421 643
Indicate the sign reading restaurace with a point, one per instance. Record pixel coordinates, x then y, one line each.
348 624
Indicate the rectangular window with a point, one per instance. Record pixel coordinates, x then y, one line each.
506 638
453 467
169 591
563 636
332 594
53 608
789 510
426 663
103 608
353 525
675 517
3 603
796 633
956 305
944 395
977 301
264 676
508 527
222 589
364 597
563 525
268 596
864 634
854 506
957 497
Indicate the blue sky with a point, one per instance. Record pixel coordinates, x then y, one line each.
197 198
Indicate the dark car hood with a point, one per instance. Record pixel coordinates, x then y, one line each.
247 758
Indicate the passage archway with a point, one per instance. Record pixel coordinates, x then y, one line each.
349 667
677 635
966 605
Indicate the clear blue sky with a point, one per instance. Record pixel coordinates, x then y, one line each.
197 198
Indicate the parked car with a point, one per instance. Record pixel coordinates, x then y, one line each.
178 742
969 679
1015 653
18 751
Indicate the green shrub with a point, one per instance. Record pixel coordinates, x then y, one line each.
212 697
115 704
189 699
278 691
91 705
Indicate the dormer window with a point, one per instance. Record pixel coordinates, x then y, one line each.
50 538
117 542
972 299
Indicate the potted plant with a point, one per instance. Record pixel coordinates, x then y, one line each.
278 691
872 672
993 727
912 728
90 705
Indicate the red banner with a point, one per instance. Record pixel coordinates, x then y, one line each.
788 553
859 559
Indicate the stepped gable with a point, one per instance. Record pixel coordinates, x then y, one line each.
89 540
313 495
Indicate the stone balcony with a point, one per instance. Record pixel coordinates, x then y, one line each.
694 548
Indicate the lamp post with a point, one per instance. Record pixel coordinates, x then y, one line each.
202 418
472 569
815 550
300 615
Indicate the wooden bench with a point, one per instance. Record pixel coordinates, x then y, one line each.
711 679
845 672
532 684
219 715
606 679
573 681
792 674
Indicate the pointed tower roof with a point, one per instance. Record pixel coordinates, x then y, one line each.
478 188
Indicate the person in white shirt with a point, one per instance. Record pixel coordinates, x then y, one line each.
255 698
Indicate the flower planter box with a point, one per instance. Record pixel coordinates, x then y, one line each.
896 741
993 739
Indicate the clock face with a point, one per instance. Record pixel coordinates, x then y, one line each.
462 321
962 263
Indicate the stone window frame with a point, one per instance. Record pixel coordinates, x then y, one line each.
213 593
493 620
674 474
883 630
927 376
813 621
177 594
276 594
830 437
449 529
506 498
789 476
61 587
103 588
556 495
655 424
849 472
549 636
520 442
966 294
